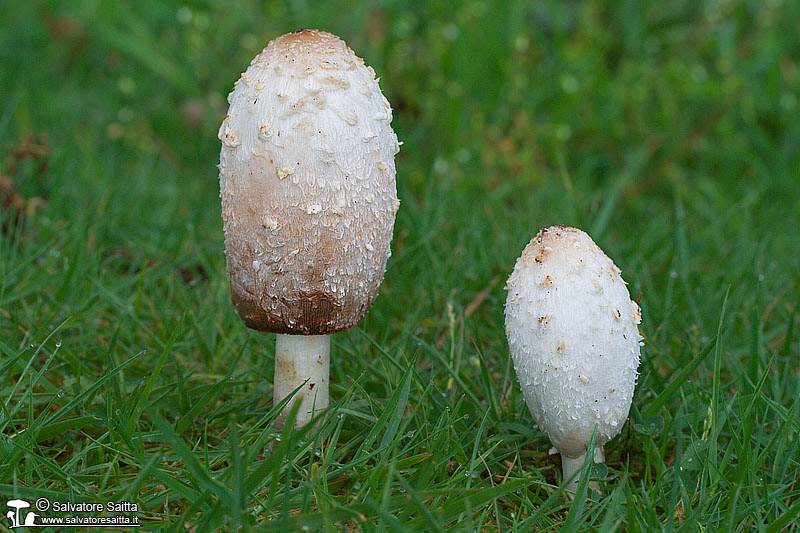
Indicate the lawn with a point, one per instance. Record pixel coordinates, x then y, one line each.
668 131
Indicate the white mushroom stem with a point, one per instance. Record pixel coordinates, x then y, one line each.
571 465
302 360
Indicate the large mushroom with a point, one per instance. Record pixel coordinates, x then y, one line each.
573 335
307 182
14 515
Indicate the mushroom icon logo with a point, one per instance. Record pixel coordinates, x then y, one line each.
13 516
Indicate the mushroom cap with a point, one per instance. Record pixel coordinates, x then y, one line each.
307 182
573 335
18 504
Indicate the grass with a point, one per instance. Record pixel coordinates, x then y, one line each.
669 132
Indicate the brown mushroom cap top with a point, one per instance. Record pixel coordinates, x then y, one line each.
307 182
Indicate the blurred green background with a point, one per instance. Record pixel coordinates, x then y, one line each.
668 131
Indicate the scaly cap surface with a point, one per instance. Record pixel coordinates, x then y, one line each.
572 331
307 182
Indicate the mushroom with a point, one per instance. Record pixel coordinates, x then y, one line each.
572 332
16 505
307 182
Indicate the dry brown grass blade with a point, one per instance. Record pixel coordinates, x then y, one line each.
473 306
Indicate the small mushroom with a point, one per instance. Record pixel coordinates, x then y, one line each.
577 370
307 182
